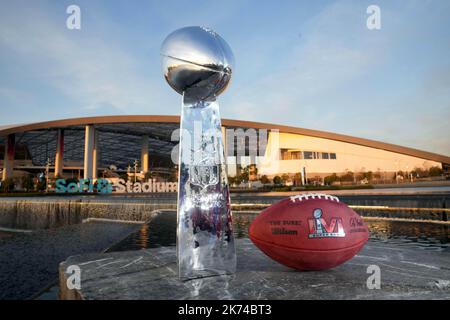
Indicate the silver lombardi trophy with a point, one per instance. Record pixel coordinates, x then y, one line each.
197 63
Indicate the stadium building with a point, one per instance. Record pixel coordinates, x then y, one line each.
89 147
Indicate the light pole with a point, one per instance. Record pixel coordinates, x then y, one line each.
128 171
135 169
47 169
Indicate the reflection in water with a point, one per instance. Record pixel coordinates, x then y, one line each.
161 231
143 236
432 233
4 234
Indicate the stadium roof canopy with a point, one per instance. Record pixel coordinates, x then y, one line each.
120 137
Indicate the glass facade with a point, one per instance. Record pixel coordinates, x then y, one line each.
287 154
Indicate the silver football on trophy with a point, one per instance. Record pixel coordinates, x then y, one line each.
197 63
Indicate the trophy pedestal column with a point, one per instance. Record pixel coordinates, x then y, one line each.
205 242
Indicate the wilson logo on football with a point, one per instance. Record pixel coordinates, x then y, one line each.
319 228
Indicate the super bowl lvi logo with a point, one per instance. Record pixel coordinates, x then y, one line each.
319 228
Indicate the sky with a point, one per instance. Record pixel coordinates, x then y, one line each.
309 64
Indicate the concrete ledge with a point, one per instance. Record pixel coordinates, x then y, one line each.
152 274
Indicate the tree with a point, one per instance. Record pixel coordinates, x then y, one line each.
297 179
252 171
348 177
277 180
244 174
377 175
265 180
435 171
420 173
285 178
328 180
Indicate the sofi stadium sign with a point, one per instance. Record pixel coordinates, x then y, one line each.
114 185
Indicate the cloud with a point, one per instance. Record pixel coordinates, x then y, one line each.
90 71
320 63
389 85
341 77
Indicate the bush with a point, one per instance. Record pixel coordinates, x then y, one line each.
124 176
366 175
237 180
41 185
7 185
149 175
28 183
71 180
282 189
